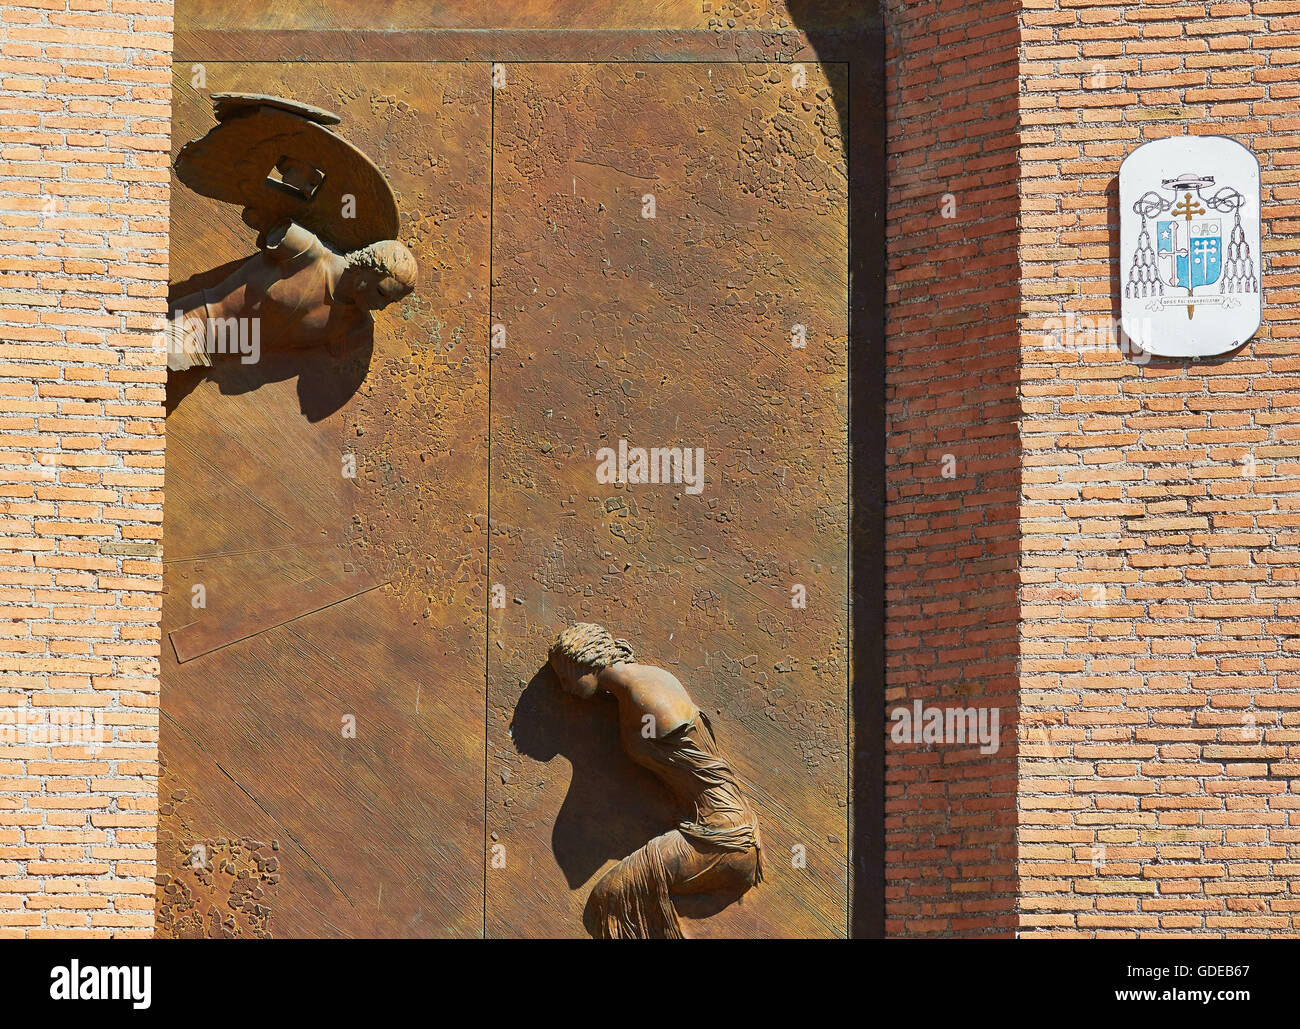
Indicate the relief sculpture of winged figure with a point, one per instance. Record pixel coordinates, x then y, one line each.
326 220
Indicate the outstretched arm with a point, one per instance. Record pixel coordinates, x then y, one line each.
288 240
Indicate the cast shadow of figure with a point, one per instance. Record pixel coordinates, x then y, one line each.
613 806
327 375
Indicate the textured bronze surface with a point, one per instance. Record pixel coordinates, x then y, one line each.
523 45
532 30
215 888
381 834
628 16
671 331
234 612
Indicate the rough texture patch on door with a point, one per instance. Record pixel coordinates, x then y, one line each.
211 888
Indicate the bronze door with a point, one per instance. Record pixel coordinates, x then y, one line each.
650 253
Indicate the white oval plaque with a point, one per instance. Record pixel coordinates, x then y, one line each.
1189 246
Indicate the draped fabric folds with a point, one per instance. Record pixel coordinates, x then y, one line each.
718 848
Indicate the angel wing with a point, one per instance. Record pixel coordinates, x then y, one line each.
277 159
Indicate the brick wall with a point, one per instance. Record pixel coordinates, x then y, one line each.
1144 635
84 146
952 458
1160 546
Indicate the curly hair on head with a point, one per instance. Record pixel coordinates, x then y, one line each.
590 647
388 257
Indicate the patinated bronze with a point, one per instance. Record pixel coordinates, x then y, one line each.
327 598
364 528
310 194
716 847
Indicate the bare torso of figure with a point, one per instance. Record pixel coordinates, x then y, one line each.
644 690
289 285
654 712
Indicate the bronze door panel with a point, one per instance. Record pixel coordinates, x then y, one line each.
660 232
332 596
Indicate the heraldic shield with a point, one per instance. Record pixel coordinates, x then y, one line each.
1190 246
